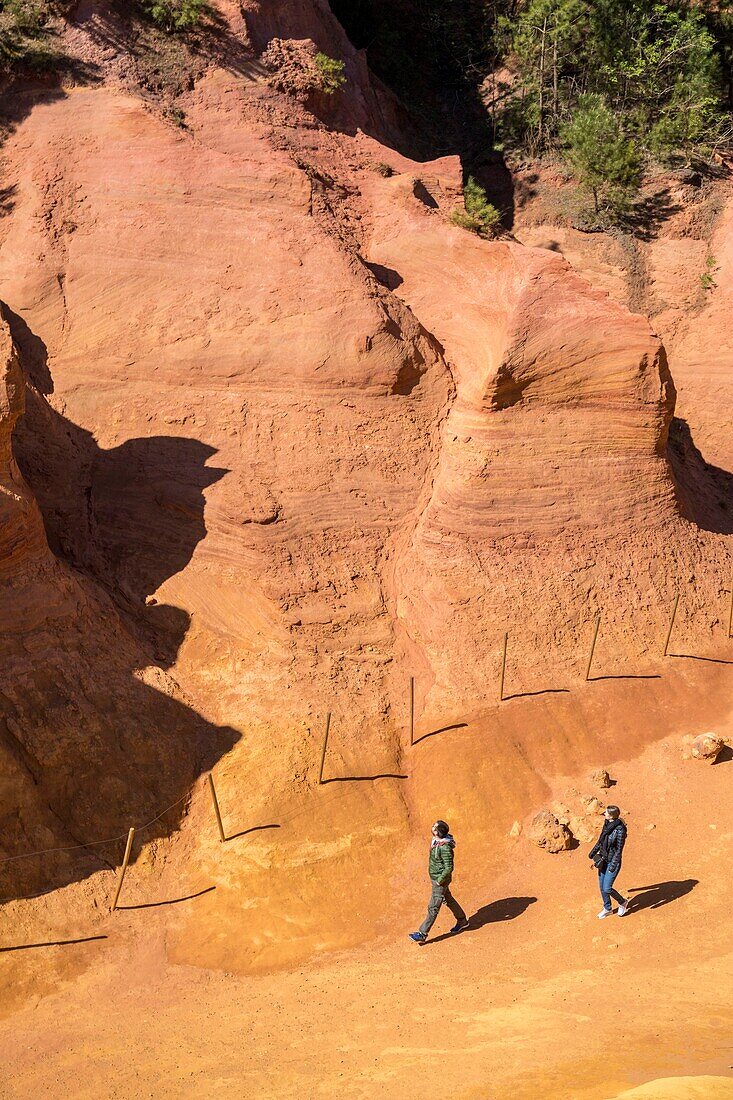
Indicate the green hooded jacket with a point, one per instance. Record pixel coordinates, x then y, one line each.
440 863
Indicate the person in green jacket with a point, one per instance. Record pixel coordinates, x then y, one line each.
440 869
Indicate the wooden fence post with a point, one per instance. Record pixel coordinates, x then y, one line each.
593 646
503 669
215 800
125 861
671 623
325 746
412 710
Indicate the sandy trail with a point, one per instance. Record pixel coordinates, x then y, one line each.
540 999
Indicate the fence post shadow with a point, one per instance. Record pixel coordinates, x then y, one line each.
223 838
350 778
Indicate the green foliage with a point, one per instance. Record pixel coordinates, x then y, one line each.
480 216
23 26
707 279
331 73
655 64
176 15
601 156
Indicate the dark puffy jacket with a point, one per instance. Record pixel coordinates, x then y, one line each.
613 839
440 864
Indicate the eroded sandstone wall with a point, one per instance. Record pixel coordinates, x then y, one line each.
296 438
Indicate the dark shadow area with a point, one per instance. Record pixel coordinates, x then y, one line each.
443 729
422 194
90 744
25 90
647 216
493 913
627 676
362 778
504 909
491 171
724 756
33 353
693 657
170 901
704 492
386 276
661 893
254 829
130 516
426 84
52 943
542 691
7 199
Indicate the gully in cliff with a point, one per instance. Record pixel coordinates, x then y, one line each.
440 869
606 856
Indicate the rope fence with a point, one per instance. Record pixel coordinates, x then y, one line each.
135 830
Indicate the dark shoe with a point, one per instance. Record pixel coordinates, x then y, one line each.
460 926
417 937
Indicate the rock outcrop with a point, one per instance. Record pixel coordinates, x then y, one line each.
704 746
547 832
294 439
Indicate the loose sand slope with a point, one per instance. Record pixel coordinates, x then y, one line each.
540 999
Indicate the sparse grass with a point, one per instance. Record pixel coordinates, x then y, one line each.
707 279
385 170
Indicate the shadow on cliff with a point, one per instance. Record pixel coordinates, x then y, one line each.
126 29
94 743
704 491
428 84
25 90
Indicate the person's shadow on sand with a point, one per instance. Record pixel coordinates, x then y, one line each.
660 893
495 911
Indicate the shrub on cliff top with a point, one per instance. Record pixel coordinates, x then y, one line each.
176 15
480 216
331 73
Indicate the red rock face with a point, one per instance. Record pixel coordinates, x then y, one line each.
22 545
295 438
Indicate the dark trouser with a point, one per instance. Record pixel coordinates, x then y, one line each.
439 895
606 880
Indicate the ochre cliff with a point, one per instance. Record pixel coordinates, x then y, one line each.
295 438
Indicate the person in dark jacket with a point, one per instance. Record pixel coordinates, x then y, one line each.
440 869
606 856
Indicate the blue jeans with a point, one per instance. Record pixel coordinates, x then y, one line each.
606 880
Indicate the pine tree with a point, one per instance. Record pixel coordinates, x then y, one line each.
602 157
176 15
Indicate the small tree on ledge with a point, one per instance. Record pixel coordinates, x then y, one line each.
479 215
602 158
176 15
331 72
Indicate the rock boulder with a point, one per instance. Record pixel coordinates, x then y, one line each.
549 833
706 746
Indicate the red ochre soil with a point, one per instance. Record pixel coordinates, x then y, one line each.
291 438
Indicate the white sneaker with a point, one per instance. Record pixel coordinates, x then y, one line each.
605 913
623 909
